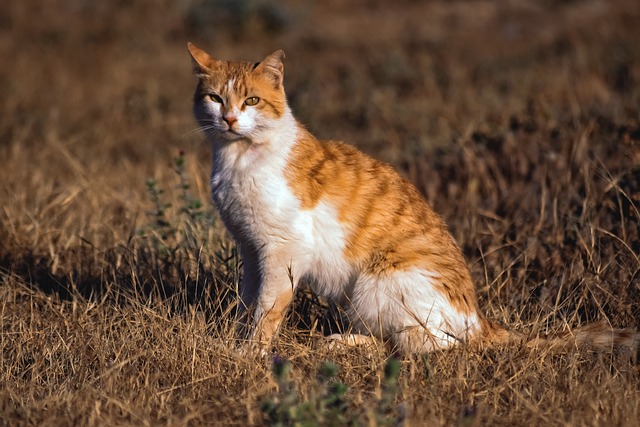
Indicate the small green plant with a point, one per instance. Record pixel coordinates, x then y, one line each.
327 404
187 229
333 392
191 206
286 408
160 208
385 409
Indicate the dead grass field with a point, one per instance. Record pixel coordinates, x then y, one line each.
518 120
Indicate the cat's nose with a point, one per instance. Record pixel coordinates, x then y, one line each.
230 119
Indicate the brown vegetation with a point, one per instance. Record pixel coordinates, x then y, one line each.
519 121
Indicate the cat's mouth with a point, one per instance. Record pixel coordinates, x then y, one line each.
232 132
225 128
232 135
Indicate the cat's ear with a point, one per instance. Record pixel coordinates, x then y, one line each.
273 67
200 59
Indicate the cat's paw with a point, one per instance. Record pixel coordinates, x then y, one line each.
337 341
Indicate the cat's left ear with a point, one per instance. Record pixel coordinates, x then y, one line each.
200 59
273 67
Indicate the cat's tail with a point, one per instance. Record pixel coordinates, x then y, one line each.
596 336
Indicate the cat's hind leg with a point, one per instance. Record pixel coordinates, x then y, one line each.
408 308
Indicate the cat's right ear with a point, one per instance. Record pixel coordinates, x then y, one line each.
273 67
200 59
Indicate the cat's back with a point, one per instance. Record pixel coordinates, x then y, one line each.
368 194
338 172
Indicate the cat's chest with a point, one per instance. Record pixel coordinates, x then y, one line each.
252 195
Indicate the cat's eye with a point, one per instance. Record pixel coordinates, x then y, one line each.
214 98
252 100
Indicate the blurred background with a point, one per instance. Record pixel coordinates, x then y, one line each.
514 118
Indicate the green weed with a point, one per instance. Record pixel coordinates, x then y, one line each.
329 403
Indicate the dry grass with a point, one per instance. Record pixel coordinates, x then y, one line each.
519 121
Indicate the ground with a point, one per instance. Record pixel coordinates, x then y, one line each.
519 121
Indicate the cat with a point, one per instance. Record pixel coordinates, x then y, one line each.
324 213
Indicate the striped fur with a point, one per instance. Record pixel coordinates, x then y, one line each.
324 213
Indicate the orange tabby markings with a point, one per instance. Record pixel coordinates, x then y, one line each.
350 226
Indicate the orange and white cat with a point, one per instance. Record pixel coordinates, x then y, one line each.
324 213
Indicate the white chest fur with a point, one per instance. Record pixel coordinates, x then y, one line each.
251 193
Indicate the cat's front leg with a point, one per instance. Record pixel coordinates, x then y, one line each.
275 294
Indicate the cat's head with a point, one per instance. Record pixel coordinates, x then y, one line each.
238 100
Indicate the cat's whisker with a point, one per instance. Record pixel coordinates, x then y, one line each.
194 131
208 130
